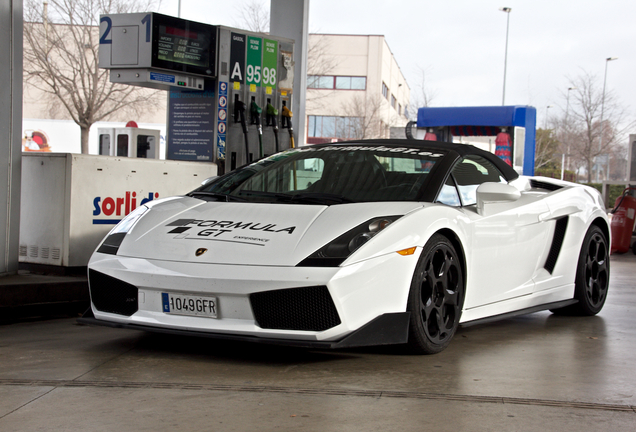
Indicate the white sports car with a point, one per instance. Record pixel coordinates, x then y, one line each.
351 244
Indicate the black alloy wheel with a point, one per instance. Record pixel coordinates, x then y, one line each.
436 297
592 275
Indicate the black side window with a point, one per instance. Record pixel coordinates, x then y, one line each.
472 171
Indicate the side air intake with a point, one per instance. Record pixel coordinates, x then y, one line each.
557 242
536 184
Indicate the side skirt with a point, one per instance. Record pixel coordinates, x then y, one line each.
547 306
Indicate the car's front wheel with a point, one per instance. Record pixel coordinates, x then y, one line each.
436 297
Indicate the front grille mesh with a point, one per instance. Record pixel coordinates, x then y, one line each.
109 294
308 308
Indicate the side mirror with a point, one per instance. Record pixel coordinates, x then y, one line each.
209 180
492 193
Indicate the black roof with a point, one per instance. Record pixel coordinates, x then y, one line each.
453 150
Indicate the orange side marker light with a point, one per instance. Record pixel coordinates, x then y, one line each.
409 251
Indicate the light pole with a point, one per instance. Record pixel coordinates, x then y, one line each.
545 121
600 141
507 10
567 128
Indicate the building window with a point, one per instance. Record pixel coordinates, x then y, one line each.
332 127
385 91
351 83
393 102
336 82
320 82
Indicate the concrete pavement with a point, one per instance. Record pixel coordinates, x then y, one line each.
535 372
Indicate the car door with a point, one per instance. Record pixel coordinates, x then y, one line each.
505 245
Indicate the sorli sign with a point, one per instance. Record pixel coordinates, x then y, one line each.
118 206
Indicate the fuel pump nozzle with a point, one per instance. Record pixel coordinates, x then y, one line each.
255 116
239 117
255 112
287 123
271 120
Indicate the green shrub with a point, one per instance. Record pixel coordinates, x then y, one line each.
614 192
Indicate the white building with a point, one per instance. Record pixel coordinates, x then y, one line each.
355 88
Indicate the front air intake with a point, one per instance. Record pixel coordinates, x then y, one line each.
109 294
308 308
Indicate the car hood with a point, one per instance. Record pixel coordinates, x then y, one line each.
190 230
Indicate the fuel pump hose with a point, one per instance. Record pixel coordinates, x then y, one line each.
272 114
255 113
287 117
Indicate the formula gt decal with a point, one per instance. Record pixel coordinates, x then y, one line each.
224 230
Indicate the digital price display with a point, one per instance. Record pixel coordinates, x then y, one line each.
181 45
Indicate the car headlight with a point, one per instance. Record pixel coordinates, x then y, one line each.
113 240
336 251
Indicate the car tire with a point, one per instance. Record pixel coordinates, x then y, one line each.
592 275
436 297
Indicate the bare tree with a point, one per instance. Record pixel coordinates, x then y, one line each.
253 16
547 146
366 111
61 59
422 95
589 140
320 62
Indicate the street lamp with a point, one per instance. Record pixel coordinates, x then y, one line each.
567 127
545 121
600 141
507 10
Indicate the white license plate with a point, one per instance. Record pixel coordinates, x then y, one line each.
180 304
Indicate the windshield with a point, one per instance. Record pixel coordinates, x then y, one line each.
328 175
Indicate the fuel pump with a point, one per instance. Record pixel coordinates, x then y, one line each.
287 123
213 73
239 117
255 118
272 120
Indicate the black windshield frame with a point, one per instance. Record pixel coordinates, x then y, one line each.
346 174
449 155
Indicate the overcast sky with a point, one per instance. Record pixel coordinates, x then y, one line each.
461 43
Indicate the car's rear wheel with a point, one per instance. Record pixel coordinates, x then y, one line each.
592 275
436 297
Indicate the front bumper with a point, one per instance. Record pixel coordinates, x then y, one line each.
368 295
386 329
